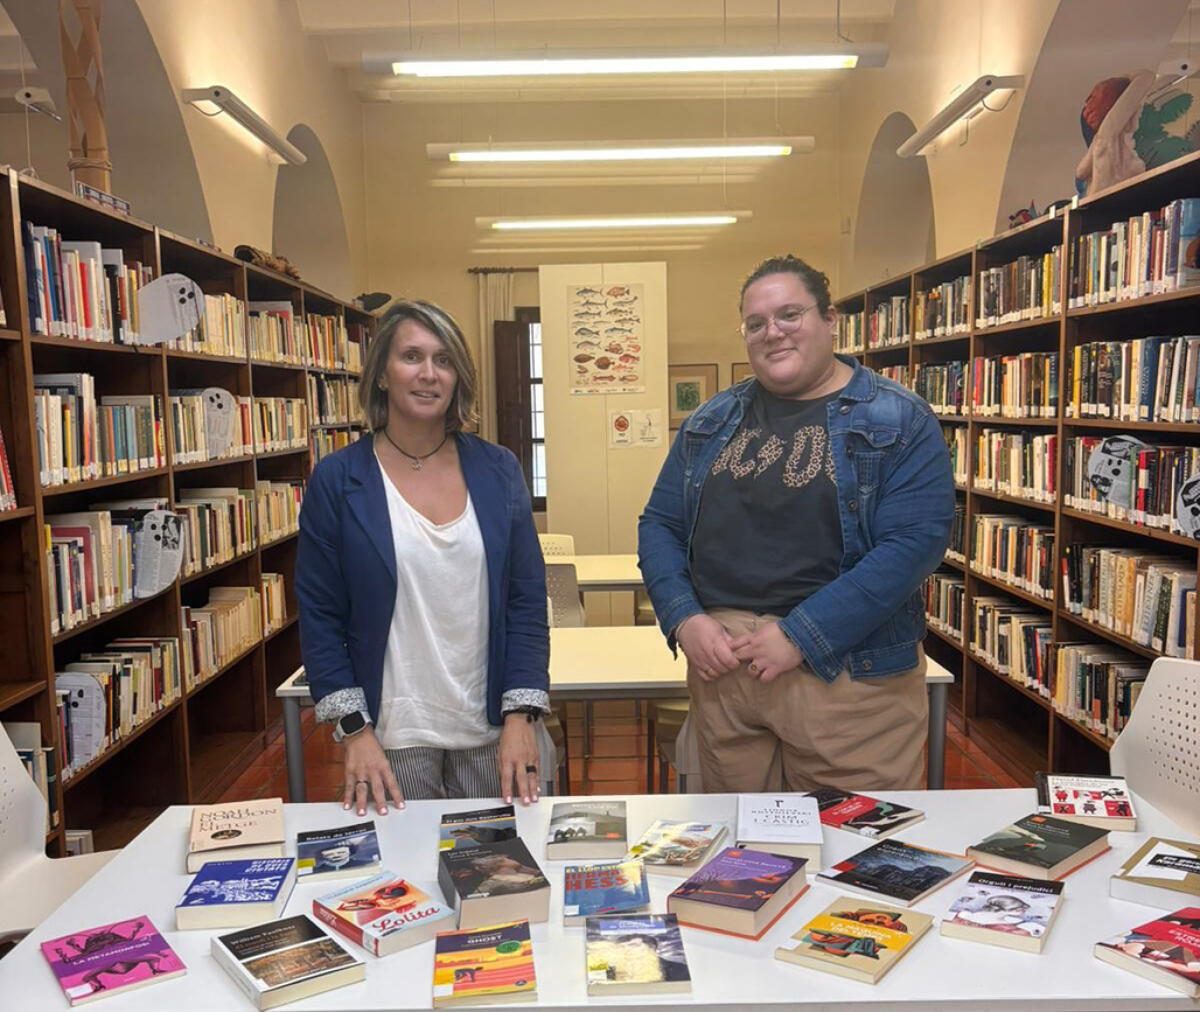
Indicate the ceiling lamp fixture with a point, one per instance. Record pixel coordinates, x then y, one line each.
968 103
621 151
614 222
221 99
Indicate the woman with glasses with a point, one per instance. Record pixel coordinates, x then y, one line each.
784 547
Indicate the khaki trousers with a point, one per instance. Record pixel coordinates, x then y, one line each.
799 732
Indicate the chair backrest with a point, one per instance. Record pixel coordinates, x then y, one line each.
557 544
562 587
22 809
1158 752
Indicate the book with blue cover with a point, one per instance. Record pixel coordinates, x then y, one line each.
338 853
593 889
234 894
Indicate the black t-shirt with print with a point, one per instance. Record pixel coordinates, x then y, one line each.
768 533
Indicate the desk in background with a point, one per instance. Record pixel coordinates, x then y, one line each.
603 572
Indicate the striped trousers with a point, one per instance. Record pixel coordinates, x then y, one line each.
425 773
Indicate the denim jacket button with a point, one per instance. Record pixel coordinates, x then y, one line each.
845 409
852 505
867 665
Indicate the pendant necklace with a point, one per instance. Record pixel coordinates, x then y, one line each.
416 461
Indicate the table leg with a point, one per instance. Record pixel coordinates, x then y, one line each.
935 778
293 746
650 749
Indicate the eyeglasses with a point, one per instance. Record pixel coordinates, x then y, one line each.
788 319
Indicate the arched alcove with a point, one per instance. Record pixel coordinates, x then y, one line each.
894 230
309 227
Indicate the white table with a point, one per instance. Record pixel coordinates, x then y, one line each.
603 572
611 662
729 974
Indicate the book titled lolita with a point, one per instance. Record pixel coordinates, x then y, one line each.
383 914
112 959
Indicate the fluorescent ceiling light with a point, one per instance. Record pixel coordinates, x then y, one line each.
779 147
964 105
220 98
629 221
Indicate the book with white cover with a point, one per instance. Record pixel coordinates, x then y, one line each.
780 824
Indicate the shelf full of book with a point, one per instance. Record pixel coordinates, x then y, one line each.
151 693
1063 361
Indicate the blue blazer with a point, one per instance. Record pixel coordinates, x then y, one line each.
346 576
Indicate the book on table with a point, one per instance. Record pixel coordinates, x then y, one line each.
283 961
383 914
741 892
1040 846
1160 873
1103 802
489 965
234 894
459 830
587 830
862 941
640 954
236 831
781 824
110 960
494 883
592 890
337 853
862 814
1165 950
896 872
677 848
1007 910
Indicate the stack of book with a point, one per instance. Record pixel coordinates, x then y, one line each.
945 595
273 333
1014 639
274 602
196 422
1021 464
1149 379
943 385
8 491
329 399
1023 385
1015 551
890 323
1097 685
327 341
849 339
956 443
221 330
896 373
226 626
958 528
218 525
944 310
280 423
277 506
1026 289
356 346
323 442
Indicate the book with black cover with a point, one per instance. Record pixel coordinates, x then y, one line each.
1040 846
741 892
896 872
493 883
460 830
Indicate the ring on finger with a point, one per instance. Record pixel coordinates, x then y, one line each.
754 667
366 783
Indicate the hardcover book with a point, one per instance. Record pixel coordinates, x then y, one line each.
858 941
494 883
1098 801
781 824
112 959
1160 873
485 966
237 831
862 814
586 829
337 853
460 830
384 914
1004 910
896 871
283 961
1166 951
591 890
677 848
234 894
1040 846
636 955
742 892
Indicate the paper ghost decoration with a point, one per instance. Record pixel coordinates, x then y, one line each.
159 551
1110 468
168 308
1187 507
219 406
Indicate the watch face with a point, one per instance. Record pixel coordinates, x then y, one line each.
352 723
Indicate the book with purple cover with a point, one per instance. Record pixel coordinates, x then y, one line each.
112 959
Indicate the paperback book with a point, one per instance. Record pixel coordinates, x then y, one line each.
854 940
241 830
636 955
590 890
1098 801
1040 846
460 830
485 966
896 872
110 960
283 961
742 892
234 894
781 824
1160 873
337 853
494 883
862 814
587 830
677 848
1166 951
1004 910
384 914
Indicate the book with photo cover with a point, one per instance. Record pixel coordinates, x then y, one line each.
284 961
1166 951
337 853
862 814
110 960
383 914
1160 873
240 830
1103 802
896 872
677 848
1006 910
741 892
592 890
460 830
642 954
781 824
234 894
1040 846
587 830
494 883
484 966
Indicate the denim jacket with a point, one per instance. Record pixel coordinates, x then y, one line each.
895 504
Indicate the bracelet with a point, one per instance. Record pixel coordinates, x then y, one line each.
532 713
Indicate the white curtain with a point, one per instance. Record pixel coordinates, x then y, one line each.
495 303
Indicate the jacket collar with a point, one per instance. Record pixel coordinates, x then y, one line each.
367 498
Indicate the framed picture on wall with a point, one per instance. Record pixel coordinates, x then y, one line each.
741 371
688 386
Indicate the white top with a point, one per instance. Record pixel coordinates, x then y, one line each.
435 667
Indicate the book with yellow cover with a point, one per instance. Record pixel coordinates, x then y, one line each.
484 966
859 940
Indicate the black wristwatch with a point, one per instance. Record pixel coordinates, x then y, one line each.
532 713
350 725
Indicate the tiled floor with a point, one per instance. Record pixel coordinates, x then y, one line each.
618 765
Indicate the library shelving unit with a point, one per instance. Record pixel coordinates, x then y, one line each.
1020 727
192 749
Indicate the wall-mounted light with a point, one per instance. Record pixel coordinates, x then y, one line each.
613 222
967 103
221 99
620 151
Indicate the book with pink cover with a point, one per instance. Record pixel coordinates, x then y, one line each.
112 959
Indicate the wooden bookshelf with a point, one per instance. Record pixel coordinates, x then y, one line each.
1020 726
194 747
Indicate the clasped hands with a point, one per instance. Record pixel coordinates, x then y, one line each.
767 652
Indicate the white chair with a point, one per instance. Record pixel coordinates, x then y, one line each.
562 587
1158 752
557 544
32 884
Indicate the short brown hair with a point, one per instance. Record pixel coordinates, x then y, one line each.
445 328
812 279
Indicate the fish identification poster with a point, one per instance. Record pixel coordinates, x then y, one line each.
605 339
